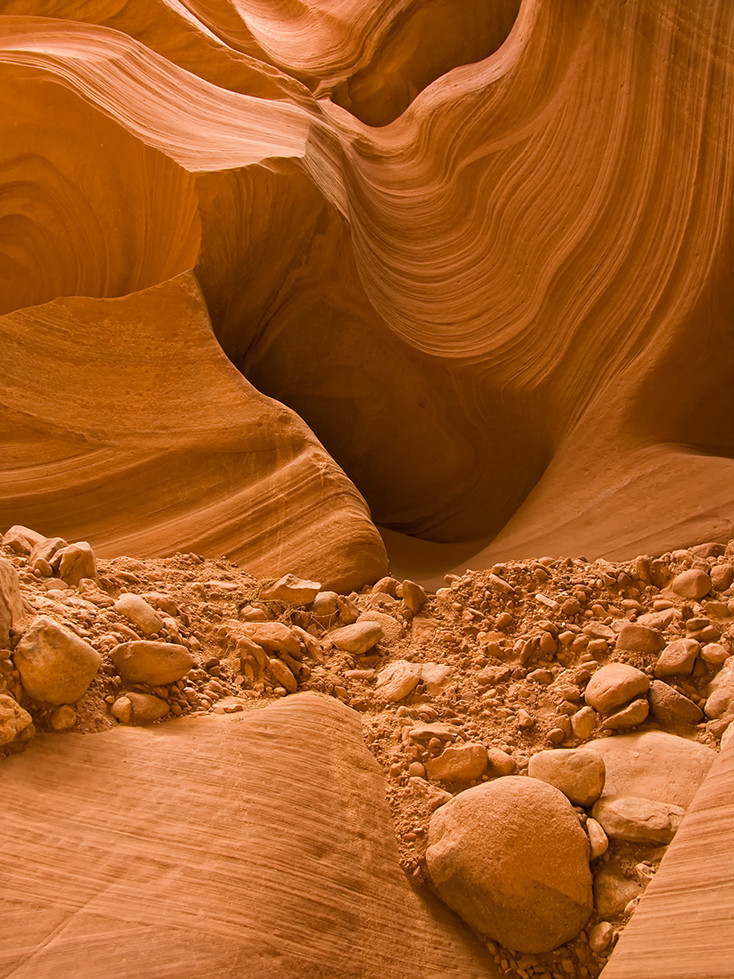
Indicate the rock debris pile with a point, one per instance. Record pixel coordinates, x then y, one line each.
542 725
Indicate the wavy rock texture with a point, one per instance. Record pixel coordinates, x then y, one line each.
483 253
258 846
696 942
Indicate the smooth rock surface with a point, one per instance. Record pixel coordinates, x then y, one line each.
511 858
139 612
275 819
692 584
654 765
357 638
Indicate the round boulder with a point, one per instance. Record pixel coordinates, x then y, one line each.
55 665
511 858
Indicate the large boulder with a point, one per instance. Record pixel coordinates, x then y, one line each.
55 665
511 858
654 765
154 663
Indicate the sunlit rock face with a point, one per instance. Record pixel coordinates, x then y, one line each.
261 262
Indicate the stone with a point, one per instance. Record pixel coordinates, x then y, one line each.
414 596
501 761
74 562
282 675
387 586
613 891
583 722
578 773
654 765
154 663
600 936
636 820
722 576
325 604
598 839
46 549
21 539
628 717
357 638
640 639
720 691
145 708
614 685
55 665
397 680
435 678
139 612
392 629
274 637
693 584
669 707
714 654
11 604
289 588
678 657
510 857
436 729
63 718
459 763
13 719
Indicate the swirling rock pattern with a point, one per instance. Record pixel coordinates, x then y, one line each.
484 254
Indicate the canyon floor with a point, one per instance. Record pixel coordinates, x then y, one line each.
334 728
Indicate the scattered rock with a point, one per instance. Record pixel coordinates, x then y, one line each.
598 840
139 708
291 589
392 630
678 656
55 665
357 638
600 936
613 892
628 717
435 677
11 604
13 719
282 675
414 596
578 773
397 680
274 637
714 654
511 858
154 663
139 612
74 562
63 718
669 707
722 577
501 762
614 685
693 584
640 639
21 539
583 722
626 817
654 765
721 691
460 763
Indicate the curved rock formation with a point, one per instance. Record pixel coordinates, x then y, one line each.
255 845
483 254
